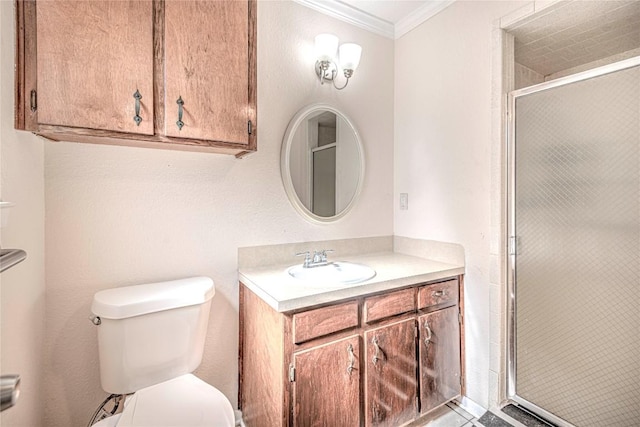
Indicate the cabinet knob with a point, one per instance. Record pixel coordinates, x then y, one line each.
180 103
137 117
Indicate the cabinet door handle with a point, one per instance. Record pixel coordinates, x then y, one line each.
180 103
377 413
378 355
427 339
137 117
34 101
440 293
352 359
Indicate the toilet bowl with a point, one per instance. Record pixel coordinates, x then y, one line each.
150 339
182 401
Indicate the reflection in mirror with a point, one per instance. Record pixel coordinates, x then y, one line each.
322 164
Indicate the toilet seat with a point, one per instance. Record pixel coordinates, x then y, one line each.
185 401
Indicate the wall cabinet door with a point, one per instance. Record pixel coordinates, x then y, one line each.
112 72
390 382
439 349
207 69
326 390
92 57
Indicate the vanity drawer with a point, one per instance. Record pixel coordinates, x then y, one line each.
381 306
438 293
323 321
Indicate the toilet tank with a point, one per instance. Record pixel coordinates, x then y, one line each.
151 333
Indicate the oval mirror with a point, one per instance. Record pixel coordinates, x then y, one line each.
322 163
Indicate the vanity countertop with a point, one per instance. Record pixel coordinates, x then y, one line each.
393 270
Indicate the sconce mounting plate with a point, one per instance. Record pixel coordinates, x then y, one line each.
326 70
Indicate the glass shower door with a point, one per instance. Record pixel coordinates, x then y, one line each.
575 248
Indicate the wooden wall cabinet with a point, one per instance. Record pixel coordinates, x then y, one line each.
377 360
162 74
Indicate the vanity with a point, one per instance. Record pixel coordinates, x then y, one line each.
382 352
361 332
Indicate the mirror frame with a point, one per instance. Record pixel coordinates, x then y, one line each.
300 116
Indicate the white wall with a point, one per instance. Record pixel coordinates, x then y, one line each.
442 155
119 216
22 288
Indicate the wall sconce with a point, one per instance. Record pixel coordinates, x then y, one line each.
326 67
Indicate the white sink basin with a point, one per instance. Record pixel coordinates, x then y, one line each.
334 274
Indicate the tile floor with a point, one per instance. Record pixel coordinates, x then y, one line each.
449 415
452 415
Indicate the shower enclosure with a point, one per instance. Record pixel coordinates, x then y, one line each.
574 247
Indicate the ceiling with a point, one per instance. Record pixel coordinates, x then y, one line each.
389 18
391 11
563 36
576 33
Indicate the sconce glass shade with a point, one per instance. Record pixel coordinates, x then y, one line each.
326 47
350 56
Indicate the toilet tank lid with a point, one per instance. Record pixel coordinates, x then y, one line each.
130 301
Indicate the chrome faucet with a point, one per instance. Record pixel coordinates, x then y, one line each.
318 259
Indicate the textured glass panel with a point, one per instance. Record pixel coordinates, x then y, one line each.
577 221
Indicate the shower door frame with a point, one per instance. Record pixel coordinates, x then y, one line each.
511 243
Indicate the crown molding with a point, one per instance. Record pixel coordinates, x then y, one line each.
358 18
419 16
351 15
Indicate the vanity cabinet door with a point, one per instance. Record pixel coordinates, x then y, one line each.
390 382
92 57
207 69
326 387
439 353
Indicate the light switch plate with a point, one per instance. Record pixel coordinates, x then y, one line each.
404 201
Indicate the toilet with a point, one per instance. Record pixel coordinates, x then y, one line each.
150 338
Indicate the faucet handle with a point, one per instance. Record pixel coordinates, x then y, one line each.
323 254
307 257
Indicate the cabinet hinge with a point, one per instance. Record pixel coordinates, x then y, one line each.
460 317
292 373
415 331
250 127
34 101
